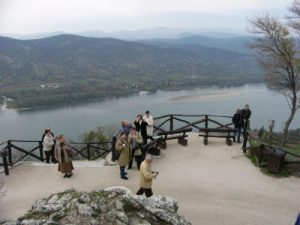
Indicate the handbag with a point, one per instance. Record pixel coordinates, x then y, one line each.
70 152
114 155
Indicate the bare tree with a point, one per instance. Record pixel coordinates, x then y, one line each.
276 53
294 18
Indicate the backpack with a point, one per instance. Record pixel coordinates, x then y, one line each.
114 155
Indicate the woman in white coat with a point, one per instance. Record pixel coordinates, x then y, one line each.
149 120
48 143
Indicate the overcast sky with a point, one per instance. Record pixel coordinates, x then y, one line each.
37 16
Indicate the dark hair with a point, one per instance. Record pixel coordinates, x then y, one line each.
47 130
147 112
122 132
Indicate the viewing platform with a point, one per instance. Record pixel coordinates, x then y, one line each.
214 184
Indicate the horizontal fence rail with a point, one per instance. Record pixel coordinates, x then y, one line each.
13 151
181 121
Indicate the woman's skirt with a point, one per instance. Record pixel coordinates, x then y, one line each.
65 167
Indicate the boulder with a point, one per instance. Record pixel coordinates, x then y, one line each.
111 206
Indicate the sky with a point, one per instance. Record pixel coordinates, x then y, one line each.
74 16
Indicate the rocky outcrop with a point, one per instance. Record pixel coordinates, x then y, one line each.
112 206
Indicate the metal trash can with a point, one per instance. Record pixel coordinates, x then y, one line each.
275 160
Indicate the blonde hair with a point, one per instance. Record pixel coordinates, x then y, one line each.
124 123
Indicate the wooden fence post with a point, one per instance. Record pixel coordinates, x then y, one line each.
3 153
113 145
88 151
171 122
206 121
9 152
41 151
245 136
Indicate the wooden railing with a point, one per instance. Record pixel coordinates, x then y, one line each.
274 157
12 152
181 121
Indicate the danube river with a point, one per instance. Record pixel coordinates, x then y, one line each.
73 120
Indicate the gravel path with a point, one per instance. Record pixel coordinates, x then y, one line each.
214 184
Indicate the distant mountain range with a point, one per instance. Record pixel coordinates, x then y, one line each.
68 68
158 32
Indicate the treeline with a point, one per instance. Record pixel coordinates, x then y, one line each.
76 92
75 69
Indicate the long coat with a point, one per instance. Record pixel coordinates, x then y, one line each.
146 175
63 155
125 152
237 120
62 152
48 142
150 122
139 141
141 126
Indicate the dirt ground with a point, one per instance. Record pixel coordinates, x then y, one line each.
214 184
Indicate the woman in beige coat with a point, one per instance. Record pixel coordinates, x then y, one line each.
135 140
123 148
63 155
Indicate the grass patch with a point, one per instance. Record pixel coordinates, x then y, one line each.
283 172
263 165
36 215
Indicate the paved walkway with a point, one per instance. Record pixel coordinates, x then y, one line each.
214 184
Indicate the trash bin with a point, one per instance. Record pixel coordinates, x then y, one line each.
275 160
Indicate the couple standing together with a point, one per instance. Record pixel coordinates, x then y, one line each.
59 151
241 120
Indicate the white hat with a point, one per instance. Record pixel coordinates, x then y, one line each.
148 157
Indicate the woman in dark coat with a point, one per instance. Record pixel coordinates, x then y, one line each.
141 127
238 124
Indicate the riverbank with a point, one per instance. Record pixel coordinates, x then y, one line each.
206 96
214 184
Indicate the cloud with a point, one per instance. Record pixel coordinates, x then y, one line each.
25 16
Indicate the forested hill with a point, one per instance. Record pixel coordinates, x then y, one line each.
68 68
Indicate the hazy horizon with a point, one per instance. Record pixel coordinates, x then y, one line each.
28 17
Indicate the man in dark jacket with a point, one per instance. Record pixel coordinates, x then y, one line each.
245 115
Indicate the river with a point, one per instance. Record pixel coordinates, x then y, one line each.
73 120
